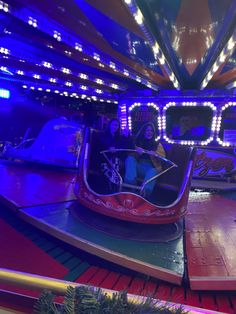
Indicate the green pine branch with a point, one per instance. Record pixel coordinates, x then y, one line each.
88 300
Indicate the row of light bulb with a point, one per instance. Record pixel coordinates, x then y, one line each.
215 127
155 47
79 47
64 70
69 94
225 53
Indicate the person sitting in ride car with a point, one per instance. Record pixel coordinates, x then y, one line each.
144 165
111 140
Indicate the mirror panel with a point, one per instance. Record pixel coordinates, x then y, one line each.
140 114
191 123
227 125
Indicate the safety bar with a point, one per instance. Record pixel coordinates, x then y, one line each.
173 165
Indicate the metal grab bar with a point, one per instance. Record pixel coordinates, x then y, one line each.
173 165
136 151
156 176
59 287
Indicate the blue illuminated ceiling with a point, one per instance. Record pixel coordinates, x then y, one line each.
109 48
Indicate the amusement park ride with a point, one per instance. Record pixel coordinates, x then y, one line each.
171 63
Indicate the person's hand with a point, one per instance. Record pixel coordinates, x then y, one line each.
112 149
139 150
152 153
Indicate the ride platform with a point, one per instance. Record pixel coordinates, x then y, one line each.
113 240
31 250
44 197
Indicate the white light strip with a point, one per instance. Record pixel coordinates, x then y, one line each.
219 125
226 52
69 94
159 55
67 71
149 104
50 27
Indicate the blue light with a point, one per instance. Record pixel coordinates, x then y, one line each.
4 93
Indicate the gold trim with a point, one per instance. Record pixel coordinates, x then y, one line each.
34 281
58 286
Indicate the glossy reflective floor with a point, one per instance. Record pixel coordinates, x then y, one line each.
210 243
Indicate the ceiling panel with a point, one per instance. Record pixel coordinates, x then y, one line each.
120 46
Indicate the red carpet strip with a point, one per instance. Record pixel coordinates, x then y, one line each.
20 254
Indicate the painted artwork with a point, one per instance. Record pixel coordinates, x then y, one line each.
213 163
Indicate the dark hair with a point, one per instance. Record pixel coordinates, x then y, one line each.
140 140
108 129
141 132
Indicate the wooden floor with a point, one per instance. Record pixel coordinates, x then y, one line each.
211 241
28 186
